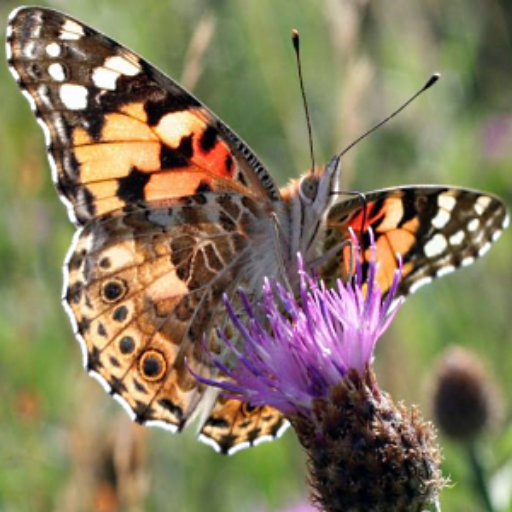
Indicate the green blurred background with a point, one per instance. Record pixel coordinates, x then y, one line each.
64 444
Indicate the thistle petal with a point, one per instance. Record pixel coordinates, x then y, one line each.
295 349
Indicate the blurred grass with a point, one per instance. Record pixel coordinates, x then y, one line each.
61 438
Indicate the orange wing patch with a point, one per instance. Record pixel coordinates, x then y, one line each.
132 161
384 254
392 240
381 217
208 152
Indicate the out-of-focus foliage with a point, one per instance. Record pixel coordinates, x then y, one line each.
64 445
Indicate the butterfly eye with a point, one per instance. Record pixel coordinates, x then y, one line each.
308 189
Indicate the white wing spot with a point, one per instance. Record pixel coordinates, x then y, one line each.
74 96
162 424
482 203
105 78
484 249
262 439
210 442
29 51
473 225
53 50
120 400
15 74
445 270
55 172
122 66
71 31
239 447
282 429
46 131
30 100
457 238
506 222
468 260
418 284
103 382
69 36
435 246
496 235
56 71
13 14
446 201
8 49
441 219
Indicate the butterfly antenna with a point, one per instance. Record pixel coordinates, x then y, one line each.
296 47
432 80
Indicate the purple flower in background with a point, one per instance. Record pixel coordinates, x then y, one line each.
311 357
300 507
496 135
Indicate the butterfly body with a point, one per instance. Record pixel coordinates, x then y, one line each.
173 210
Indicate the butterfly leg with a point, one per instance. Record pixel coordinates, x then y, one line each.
278 237
333 253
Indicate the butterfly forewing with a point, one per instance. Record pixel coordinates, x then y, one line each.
118 131
433 230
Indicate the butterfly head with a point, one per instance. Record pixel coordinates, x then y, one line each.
316 187
313 197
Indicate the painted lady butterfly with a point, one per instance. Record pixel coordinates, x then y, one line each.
173 210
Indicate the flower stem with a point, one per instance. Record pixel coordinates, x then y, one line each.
477 467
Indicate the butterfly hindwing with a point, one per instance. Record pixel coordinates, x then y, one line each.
434 230
145 289
233 425
118 131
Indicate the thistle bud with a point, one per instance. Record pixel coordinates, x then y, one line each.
465 401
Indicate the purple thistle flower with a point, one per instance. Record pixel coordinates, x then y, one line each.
302 348
311 357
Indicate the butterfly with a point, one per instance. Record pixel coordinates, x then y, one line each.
173 210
